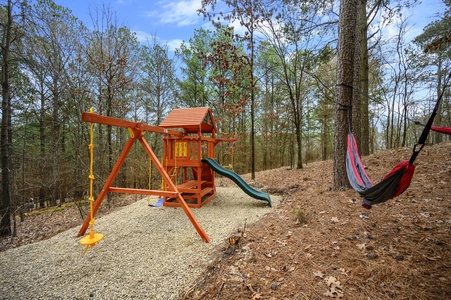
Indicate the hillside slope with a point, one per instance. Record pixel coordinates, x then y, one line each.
316 243
320 243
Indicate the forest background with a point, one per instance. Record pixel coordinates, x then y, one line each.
272 86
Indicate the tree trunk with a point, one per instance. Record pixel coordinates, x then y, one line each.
437 137
56 136
357 84
252 106
299 144
42 152
5 225
345 67
365 134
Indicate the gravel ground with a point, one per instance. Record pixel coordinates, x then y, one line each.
146 253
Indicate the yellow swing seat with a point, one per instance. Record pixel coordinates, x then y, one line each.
91 239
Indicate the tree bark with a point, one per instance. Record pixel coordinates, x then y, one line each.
436 136
357 83
5 223
42 149
365 134
251 62
345 67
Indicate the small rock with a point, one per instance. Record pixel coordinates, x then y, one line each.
363 216
399 257
369 235
274 285
372 255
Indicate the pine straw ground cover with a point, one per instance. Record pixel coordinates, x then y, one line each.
318 243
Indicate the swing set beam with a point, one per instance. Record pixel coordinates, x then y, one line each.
99 119
137 131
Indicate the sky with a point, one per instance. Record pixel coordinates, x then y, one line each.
174 21
171 21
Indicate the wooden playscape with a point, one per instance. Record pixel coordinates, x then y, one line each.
182 158
187 168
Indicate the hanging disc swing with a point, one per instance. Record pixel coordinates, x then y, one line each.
91 239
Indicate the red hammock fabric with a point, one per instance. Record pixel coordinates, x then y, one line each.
405 180
446 130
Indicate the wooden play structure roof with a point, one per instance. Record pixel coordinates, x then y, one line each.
191 120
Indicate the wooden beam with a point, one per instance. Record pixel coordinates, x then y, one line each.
99 119
142 192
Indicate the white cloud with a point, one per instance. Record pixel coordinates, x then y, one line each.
413 19
182 13
237 27
145 38
174 44
208 26
241 30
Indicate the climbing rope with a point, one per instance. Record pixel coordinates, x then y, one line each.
91 239
150 180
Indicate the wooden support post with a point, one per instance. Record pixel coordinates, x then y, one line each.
108 183
172 187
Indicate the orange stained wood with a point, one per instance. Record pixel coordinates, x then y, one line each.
137 135
191 119
99 119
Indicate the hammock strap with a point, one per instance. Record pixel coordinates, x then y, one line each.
422 140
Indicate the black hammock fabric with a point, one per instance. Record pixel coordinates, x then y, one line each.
393 184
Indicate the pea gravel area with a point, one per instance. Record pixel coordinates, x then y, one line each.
146 253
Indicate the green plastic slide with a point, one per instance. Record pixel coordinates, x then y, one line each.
238 180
